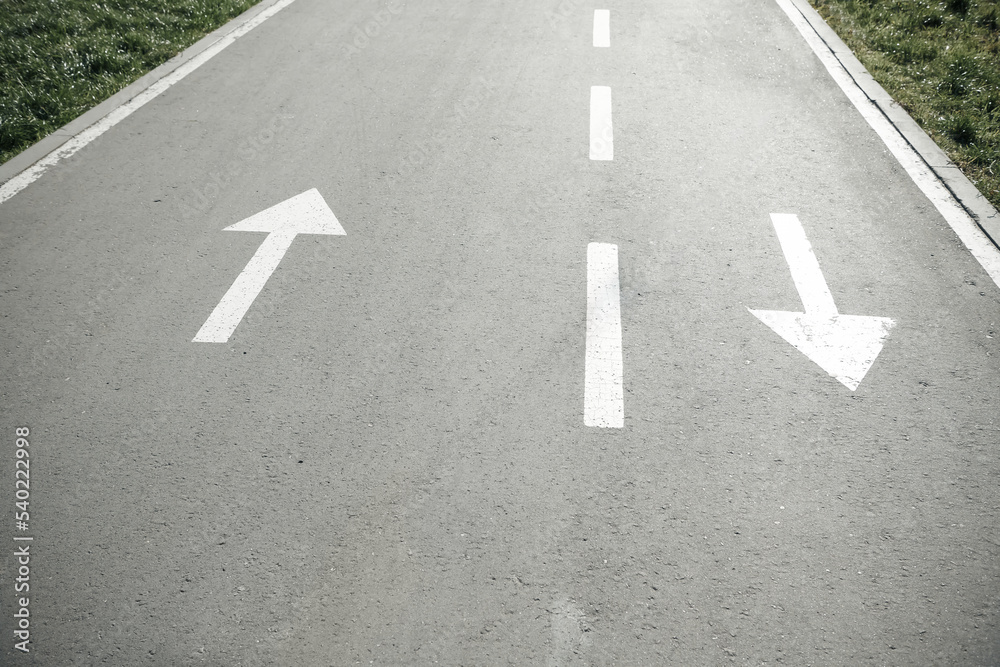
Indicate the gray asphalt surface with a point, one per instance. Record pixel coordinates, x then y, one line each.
387 463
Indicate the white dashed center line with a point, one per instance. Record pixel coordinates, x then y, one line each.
604 401
602 27
602 144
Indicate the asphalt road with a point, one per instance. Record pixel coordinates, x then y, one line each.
387 461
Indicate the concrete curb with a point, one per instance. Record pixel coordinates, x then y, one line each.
970 198
51 143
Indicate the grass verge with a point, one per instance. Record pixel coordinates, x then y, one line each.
59 58
940 59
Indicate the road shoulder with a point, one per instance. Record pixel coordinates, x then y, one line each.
974 203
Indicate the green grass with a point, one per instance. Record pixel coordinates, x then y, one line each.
59 58
941 61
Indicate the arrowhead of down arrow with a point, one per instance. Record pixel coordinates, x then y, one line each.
306 213
845 346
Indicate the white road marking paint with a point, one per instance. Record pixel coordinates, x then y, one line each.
964 226
604 400
569 632
802 262
845 346
35 171
306 213
602 27
602 145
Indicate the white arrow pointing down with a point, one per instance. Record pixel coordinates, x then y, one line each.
845 346
306 213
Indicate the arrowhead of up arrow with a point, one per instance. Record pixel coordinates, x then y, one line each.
306 213
845 346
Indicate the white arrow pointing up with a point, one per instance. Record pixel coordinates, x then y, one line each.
845 346
306 213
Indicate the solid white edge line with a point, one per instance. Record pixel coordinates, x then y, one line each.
602 28
81 139
922 175
602 137
604 400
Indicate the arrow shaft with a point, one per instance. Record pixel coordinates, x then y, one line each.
809 280
237 301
